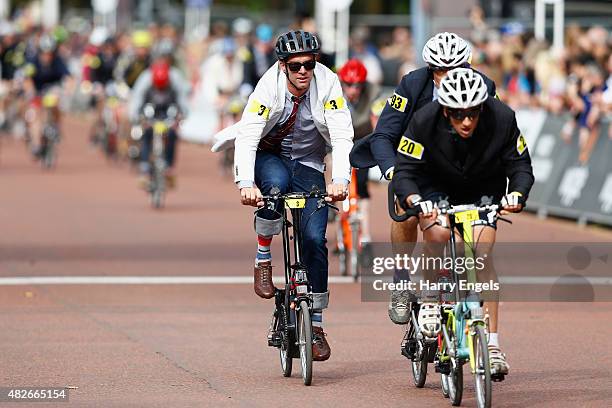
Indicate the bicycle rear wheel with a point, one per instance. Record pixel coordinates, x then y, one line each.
342 249
355 252
482 368
304 328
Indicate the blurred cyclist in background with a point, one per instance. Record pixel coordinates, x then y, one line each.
100 72
222 75
90 58
360 95
12 57
161 85
135 62
260 56
44 74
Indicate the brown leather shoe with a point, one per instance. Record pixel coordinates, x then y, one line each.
320 347
263 280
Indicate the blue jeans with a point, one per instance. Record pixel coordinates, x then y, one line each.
291 176
169 150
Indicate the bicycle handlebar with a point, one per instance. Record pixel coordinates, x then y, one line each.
392 208
271 199
443 207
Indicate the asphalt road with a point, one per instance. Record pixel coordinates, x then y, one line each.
204 345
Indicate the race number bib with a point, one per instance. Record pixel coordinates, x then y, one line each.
335 104
521 145
398 102
410 148
259 109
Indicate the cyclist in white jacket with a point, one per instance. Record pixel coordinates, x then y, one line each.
293 118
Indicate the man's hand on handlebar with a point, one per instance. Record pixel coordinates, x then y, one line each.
426 207
511 203
336 192
251 196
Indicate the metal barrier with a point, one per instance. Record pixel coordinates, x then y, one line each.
563 186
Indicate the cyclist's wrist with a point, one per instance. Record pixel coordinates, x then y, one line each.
413 199
245 184
342 181
389 173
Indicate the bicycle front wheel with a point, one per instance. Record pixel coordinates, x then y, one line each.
304 335
48 160
419 369
444 382
455 377
482 368
285 352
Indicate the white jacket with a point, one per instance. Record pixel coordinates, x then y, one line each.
330 113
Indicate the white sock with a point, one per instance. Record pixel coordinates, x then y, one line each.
493 339
317 318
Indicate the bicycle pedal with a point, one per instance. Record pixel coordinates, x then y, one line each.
274 340
443 368
498 377
409 349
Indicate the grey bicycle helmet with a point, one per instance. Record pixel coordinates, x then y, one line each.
47 44
164 48
462 88
296 42
446 50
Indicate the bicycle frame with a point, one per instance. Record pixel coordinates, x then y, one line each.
349 231
295 272
291 326
467 312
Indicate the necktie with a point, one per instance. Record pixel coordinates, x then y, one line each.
272 143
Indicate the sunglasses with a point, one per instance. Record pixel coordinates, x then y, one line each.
438 69
433 68
296 66
461 114
353 84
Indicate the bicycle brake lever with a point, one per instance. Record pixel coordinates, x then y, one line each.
504 219
332 206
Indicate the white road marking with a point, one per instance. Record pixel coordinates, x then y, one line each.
143 280
223 280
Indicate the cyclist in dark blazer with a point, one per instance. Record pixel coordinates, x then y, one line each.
460 147
442 52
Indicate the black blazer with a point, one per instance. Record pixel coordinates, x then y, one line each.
425 159
414 91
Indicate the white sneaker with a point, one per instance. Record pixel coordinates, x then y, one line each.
497 360
429 319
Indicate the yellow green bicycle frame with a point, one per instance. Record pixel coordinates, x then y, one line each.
466 218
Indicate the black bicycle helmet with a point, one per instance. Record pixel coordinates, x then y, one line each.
296 42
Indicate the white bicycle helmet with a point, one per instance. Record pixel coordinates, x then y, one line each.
98 36
462 88
446 50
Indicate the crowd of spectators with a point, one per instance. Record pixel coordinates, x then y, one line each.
529 73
